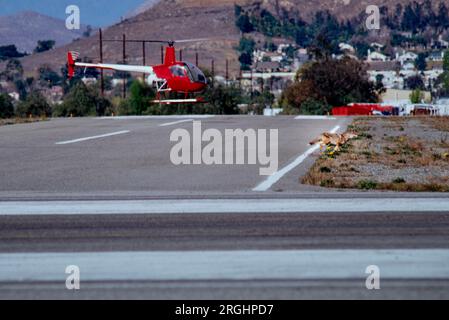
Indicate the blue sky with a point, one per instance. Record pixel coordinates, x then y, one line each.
94 12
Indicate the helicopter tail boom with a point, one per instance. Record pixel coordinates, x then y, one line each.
72 64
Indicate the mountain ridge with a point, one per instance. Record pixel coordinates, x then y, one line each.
186 19
25 28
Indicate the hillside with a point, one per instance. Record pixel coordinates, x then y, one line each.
342 9
148 4
186 19
25 28
168 19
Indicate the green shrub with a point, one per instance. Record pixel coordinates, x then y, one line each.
325 170
367 185
140 97
81 101
6 106
314 107
34 105
327 183
399 180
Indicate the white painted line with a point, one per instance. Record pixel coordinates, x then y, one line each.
274 178
226 265
262 206
93 137
175 122
201 116
315 118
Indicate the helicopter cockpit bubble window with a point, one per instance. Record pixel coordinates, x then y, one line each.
196 74
178 71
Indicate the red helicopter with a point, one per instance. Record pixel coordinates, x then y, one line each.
171 76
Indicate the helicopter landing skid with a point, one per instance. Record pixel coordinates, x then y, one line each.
175 101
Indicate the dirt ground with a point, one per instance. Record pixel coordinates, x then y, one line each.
390 153
6 122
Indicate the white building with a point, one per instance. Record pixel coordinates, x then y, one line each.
88 81
406 57
376 56
436 56
14 95
390 78
346 47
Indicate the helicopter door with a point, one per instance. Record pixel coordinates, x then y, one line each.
195 74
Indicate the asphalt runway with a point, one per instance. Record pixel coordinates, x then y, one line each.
103 195
137 158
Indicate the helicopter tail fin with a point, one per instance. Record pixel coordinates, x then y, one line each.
72 56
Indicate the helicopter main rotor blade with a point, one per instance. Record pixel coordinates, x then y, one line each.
135 40
192 40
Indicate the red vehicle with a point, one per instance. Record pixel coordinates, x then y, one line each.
171 76
360 109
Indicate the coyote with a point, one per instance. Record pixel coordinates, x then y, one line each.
335 139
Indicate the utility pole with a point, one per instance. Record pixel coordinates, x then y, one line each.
240 78
227 72
180 55
101 61
144 62
252 88
124 62
196 59
213 71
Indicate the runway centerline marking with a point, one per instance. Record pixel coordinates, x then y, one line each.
175 122
227 265
315 118
220 206
93 137
271 180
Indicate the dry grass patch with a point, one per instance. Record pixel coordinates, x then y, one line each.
391 153
12 121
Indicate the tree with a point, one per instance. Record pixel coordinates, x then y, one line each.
48 77
443 79
263 100
21 87
140 97
245 60
9 52
34 105
237 10
322 47
44 45
314 107
430 16
223 99
331 82
442 17
415 82
246 47
79 102
244 24
298 93
361 49
416 96
87 32
6 106
410 21
420 62
13 70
